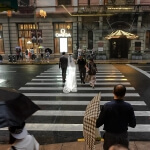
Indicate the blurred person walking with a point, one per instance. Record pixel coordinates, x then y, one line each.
63 63
92 69
116 116
81 64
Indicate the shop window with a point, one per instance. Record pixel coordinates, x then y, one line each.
62 37
90 39
138 46
23 2
64 2
24 35
1 40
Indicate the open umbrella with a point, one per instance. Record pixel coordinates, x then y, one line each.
15 107
41 47
18 49
48 50
121 34
89 121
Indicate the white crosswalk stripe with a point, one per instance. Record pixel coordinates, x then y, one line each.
79 88
79 94
74 127
79 80
81 102
60 83
76 113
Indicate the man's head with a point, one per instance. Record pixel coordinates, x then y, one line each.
63 53
118 147
119 91
80 57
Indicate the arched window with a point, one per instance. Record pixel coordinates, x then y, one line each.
90 39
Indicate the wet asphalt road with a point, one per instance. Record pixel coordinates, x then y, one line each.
17 76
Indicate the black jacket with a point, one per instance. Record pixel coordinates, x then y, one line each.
63 62
116 116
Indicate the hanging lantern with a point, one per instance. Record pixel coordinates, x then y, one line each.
42 13
9 13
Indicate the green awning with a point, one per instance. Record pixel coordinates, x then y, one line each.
8 5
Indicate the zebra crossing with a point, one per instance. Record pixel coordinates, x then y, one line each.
61 112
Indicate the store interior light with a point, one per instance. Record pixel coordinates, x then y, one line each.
119 8
42 13
29 42
1 80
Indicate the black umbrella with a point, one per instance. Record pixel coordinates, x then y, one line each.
48 50
15 107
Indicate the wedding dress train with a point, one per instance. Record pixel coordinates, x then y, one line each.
71 83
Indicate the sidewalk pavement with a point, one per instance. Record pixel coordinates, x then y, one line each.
56 61
134 145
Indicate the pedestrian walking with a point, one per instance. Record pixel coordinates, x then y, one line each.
63 63
27 55
92 69
116 116
1 58
21 139
81 64
47 56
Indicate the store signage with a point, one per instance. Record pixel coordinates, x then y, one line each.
62 33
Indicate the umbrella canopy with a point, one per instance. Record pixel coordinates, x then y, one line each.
18 47
15 107
48 50
41 47
89 121
121 34
8 5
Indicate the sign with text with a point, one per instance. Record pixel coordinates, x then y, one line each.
62 33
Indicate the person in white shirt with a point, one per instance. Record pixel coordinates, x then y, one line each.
21 139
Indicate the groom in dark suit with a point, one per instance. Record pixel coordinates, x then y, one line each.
63 63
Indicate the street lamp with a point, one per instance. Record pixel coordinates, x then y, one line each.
9 14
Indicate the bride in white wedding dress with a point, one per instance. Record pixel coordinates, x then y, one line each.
71 83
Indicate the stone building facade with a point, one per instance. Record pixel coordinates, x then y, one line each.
78 24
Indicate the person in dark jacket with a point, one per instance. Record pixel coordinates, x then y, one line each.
116 116
92 72
63 63
81 64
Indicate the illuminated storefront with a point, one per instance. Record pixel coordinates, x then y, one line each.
62 37
24 35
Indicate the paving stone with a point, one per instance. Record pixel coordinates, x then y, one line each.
142 145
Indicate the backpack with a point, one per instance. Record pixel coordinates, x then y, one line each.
92 69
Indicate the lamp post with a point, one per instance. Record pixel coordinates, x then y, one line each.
9 14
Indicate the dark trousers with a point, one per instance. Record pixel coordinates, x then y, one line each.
112 139
64 73
82 74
